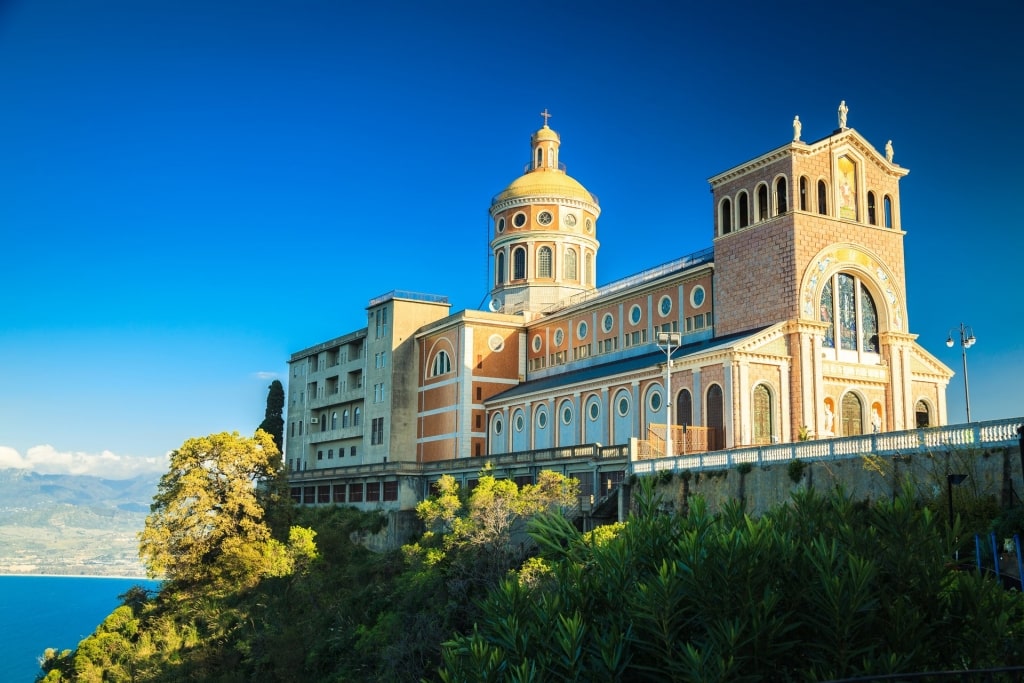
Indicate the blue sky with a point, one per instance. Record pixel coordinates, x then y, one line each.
192 190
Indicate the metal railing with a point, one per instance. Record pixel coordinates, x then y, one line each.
958 437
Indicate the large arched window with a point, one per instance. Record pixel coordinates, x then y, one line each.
762 202
501 268
345 418
853 415
762 415
684 408
442 364
872 212
334 420
781 195
725 216
744 208
544 262
803 193
588 266
846 301
570 265
519 263
357 417
822 198
888 211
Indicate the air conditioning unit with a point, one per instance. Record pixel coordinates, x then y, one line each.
314 420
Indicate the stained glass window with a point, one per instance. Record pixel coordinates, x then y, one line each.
869 321
826 316
519 264
570 264
847 313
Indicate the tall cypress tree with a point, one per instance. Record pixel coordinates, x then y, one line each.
273 422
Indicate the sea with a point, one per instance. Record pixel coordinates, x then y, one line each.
37 612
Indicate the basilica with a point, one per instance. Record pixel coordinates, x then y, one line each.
792 325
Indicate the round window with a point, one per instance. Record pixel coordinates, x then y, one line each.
665 305
697 296
634 315
519 422
501 225
519 220
607 322
497 425
559 337
495 343
567 415
655 401
536 342
544 218
542 419
595 411
623 406
581 331
570 219
590 225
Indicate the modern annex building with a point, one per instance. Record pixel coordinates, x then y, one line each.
793 324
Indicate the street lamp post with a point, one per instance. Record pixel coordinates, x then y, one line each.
669 341
967 340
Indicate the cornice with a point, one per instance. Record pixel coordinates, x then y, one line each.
530 200
754 164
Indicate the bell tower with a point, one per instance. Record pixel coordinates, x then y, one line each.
544 226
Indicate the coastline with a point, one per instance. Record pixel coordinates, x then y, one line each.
82 576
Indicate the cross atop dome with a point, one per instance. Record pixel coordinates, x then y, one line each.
546 116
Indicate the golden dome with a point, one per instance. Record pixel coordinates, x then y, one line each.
545 182
545 133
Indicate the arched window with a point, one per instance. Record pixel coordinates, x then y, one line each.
357 417
519 263
762 415
334 420
803 193
872 214
822 198
852 415
544 262
762 202
501 268
922 416
344 418
684 408
725 216
845 299
540 157
715 416
887 204
442 364
588 268
323 422
744 209
781 196
570 265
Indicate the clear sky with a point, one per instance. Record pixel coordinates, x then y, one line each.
191 190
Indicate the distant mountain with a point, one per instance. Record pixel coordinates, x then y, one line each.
68 524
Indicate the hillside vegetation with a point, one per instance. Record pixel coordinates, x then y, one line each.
820 588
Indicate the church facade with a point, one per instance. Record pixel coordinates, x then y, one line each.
791 325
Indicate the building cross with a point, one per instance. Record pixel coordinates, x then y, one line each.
546 116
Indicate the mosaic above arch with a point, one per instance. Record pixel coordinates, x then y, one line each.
842 257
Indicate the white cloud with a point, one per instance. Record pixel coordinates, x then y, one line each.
265 374
48 460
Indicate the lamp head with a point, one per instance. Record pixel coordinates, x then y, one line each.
949 342
970 340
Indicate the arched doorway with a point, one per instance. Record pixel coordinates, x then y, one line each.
762 415
922 416
684 408
853 415
715 418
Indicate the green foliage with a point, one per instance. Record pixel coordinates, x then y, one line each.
206 520
819 589
273 421
795 469
744 468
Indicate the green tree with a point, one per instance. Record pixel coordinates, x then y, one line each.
206 520
273 421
